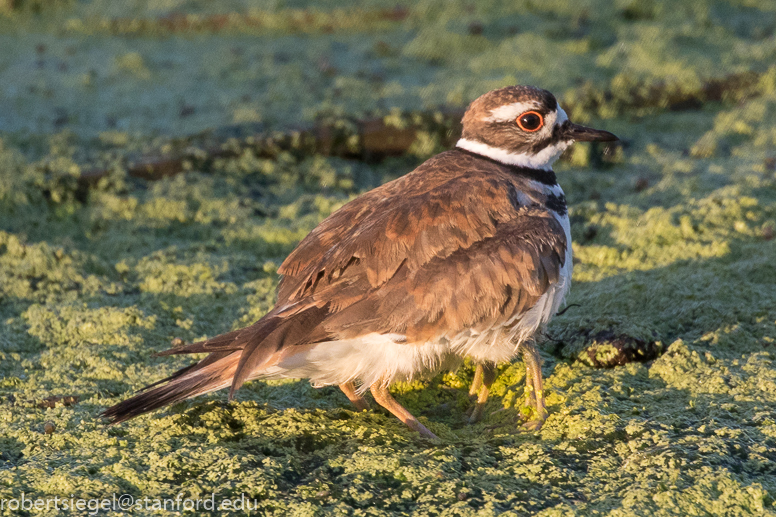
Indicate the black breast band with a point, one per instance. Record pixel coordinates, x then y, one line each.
542 176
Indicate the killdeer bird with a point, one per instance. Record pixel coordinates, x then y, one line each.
466 256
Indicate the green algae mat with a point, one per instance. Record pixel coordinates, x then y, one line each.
660 375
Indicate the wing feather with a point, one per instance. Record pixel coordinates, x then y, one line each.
478 287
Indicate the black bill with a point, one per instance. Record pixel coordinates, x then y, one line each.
586 134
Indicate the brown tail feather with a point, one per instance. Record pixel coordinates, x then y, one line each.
215 356
294 330
203 377
222 342
233 358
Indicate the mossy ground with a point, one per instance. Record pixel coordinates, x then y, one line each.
673 240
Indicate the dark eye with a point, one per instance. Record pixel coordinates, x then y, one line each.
530 121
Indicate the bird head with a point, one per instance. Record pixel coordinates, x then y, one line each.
523 126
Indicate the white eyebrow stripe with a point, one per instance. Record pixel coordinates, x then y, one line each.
510 112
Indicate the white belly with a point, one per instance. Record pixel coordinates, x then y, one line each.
369 359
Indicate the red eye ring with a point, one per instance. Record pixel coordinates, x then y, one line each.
528 125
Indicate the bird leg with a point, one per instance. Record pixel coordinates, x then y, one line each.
349 389
484 376
533 386
384 398
476 382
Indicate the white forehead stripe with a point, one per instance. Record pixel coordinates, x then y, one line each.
562 117
510 112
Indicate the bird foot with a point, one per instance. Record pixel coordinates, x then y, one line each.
422 430
484 376
534 388
384 398
534 424
533 416
475 412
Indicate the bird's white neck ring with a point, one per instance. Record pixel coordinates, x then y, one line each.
542 160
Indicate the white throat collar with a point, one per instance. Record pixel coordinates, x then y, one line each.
542 160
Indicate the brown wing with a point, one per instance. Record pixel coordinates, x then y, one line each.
479 287
450 202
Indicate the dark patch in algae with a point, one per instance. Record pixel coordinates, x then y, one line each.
606 349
